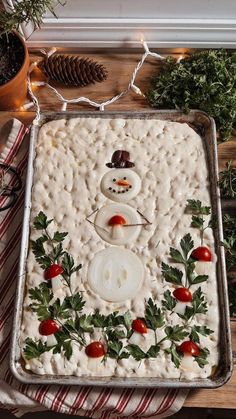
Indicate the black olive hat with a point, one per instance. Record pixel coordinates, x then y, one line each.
120 160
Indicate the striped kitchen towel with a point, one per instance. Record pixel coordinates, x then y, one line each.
92 402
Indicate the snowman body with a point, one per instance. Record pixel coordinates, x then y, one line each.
115 273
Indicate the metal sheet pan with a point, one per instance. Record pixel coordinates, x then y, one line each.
205 126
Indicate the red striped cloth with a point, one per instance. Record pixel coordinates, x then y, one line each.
93 402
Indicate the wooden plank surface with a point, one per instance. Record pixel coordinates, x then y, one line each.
120 66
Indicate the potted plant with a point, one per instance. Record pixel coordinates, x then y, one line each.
14 57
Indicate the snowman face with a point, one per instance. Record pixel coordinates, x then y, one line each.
120 185
115 274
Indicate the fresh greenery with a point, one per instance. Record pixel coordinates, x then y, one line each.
26 11
232 299
182 256
227 181
205 80
229 243
198 306
199 330
34 349
199 211
116 328
202 358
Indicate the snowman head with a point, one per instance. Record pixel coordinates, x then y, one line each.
120 184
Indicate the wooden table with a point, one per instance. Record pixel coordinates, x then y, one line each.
120 65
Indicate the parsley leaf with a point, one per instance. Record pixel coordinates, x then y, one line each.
176 255
34 349
202 358
74 302
197 207
172 275
199 330
198 218
175 333
41 296
114 348
56 252
169 302
41 222
59 237
68 265
63 342
98 320
39 252
136 352
175 356
186 244
153 351
198 279
153 316
85 323
198 306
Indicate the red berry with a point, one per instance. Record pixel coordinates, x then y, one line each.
190 348
52 271
139 326
95 350
48 327
202 253
183 294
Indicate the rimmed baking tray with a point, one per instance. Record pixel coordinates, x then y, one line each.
205 126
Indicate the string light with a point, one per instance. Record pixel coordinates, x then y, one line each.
180 58
26 106
101 106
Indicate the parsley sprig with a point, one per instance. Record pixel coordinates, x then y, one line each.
183 256
45 259
198 220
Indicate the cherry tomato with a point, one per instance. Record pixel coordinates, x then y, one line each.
48 327
95 350
190 348
52 271
182 294
116 219
139 326
202 253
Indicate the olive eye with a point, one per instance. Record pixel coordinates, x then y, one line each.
114 180
124 178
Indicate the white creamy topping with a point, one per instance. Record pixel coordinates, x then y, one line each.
70 162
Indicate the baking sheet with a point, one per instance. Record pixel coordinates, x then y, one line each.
205 127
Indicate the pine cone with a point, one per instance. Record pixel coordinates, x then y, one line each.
72 70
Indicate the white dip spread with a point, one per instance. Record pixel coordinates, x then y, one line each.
170 162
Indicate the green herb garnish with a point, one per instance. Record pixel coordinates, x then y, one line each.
116 328
198 306
199 211
227 181
205 80
183 256
34 349
229 243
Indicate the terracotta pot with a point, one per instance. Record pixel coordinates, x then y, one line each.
14 93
